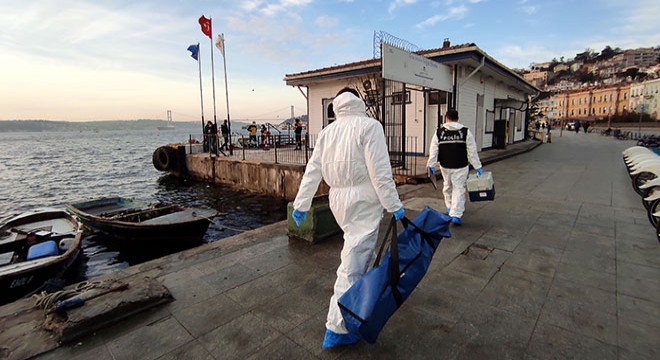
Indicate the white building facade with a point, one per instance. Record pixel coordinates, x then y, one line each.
490 98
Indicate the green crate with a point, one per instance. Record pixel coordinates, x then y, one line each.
319 224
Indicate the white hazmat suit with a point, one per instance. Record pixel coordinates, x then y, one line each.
454 180
351 156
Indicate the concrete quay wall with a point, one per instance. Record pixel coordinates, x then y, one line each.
278 180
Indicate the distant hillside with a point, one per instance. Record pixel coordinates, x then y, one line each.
50 126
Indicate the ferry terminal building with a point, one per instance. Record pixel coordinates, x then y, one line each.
409 93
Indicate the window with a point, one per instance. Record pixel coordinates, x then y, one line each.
396 97
328 112
490 121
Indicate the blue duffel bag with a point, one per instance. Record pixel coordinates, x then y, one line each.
371 301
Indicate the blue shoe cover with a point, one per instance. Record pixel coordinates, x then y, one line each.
456 220
333 339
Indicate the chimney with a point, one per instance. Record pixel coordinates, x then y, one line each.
446 43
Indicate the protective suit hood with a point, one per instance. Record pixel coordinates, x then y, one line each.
348 104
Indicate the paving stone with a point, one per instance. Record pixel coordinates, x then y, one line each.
644 231
191 350
453 282
584 295
491 333
556 220
552 342
522 293
581 319
584 259
205 316
230 277
432 303
639 338
640 310
282 348
239 338
187 289
593 245
640 253
476 266
586 277
270 286
84 349
597 228
310 335
638 281
547 236
150 342
498 239
525 261
550 254
297 305
272 260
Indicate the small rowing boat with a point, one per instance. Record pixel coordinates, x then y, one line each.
132 220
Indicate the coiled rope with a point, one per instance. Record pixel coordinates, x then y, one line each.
47 301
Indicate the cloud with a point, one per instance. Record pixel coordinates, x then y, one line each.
529 9
398 3
516 56
275 8
454 13
326 21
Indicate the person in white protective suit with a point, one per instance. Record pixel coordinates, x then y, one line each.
453 146
352 157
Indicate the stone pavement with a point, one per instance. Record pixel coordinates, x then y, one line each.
563 264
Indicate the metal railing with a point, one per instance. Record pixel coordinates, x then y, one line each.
283 149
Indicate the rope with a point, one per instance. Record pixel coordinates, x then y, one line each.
47 301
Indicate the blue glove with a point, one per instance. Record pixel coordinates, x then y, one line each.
480 171
398 215
432 170
298 216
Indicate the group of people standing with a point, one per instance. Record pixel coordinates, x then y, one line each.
351 156
585 126
210 136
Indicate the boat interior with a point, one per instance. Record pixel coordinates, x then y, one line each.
36 240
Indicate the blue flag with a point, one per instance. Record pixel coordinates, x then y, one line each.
194 51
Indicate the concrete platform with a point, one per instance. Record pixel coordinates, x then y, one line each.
563 264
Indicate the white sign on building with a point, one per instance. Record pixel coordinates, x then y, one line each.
409 68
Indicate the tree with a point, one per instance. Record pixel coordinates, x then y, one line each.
586 56
607 53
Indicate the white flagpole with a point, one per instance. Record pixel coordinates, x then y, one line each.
201 95
224 61
215 121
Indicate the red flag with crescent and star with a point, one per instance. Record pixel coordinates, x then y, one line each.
206 26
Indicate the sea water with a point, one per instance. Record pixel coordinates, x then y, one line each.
50 169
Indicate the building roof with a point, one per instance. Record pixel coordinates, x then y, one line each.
450 55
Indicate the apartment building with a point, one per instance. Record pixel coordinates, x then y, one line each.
537 78
641 57
652 97
593 103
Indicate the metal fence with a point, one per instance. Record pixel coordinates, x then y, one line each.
282 149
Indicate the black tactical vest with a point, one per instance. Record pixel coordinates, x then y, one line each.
452 150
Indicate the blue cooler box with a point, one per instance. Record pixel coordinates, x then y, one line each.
481 188
46 248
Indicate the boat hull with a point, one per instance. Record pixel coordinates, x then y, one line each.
187 225
22 278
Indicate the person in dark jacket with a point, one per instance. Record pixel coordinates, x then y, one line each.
453 146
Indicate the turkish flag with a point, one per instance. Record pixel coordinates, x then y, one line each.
206 26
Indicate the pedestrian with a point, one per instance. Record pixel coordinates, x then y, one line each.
453 146
252 129
585 126
351 156
210 141
548 135
264 136
224 129
298 132
538 126
576 126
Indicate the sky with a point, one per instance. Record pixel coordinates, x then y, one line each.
77 60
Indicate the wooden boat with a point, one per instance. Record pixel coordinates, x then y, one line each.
131 220
34 247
